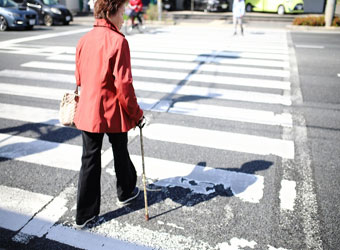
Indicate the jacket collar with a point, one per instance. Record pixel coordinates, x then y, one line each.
106 24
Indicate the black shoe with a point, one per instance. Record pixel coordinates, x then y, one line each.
131 197
81 224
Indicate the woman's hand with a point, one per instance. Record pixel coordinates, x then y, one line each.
141 122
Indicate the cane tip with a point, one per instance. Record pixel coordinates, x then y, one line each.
146 217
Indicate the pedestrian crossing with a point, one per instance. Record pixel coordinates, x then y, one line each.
226 84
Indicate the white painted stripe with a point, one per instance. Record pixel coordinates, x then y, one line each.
229 113
88 240
182 57
225 94
307 46
49 65
225 80
45 36
216 68
40 152
201 180
33 91
18 206
36 75
221 140
288 194
48 216
338 75
249 82
29 114
212 59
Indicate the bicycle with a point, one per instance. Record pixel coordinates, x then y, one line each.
139 23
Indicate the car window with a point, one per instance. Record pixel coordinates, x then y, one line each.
50 2
7 3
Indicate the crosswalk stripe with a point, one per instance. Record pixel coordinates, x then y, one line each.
209 59
181 57
237 81
201 180
14 211
220 140
228 113
56 94
44 219
225 94
40 152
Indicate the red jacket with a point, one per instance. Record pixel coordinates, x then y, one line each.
137 5
108 103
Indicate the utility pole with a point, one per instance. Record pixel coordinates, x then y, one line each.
159 5
329 13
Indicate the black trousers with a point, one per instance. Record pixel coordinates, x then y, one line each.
88 197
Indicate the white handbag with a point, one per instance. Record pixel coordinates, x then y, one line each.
68 107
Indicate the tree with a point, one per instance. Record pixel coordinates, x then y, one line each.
329 12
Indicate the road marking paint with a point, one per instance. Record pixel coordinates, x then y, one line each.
39 37
88 240
221 140
225 94
18 206
226 113
338 75
307 46
249 82
211 59
288 194
203 57
201 180
40 152
47 217
216 68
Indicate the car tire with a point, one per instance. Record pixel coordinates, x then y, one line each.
29 27
281 10
249 8
66 23
3 23
48 20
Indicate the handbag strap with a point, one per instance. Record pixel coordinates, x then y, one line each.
76 91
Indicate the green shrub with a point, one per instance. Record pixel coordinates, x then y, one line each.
151 12
315 21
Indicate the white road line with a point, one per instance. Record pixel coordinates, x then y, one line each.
40 152
247 96
88 240
338 75
181 57
287 194
307 46
210 79
216 68
225 94
201 180
18 206
47 217
29 114
237 81
221 140
39 37
211 59
229 113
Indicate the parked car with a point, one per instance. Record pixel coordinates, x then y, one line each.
207 5
14 16
279 6
49 11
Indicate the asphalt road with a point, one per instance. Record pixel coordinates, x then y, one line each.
235 174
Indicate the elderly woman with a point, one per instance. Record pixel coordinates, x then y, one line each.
107 105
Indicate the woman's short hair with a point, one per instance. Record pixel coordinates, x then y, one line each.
102 7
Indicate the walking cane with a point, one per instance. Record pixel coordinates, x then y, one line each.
144 181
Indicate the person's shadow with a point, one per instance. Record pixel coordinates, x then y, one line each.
201 185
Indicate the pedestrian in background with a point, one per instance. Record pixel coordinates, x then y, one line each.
238 13
107 105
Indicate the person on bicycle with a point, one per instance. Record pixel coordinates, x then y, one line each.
137 7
